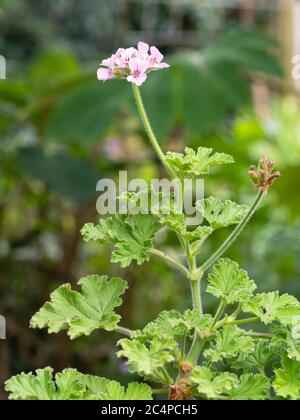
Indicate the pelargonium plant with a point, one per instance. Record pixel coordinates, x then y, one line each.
179 356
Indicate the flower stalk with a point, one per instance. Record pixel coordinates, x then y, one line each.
149 130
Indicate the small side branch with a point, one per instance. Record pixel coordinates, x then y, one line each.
169 260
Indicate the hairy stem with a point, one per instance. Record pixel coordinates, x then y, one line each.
169 260
149 130
196 295
234 235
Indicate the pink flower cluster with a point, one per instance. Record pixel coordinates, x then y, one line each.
132 64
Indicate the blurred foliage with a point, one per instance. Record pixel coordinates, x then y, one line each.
60 131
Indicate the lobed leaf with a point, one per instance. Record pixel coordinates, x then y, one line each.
72 385
287 379
250 388
256 360
210 384
98 388
132 236
41 386
82 313
145 359
195 163
230 342
227 281
270 307
220 213
165 326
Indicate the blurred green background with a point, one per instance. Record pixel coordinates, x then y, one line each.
229 87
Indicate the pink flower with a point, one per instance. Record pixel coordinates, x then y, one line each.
105 74
138 68
156 59
132 64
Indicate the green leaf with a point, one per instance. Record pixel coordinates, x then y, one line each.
293 348
210 384
82 313
220 213
194 320
287 379
286 341
177 223
132 236
256 360
271 307
166 326
71 178
145 359
250 388
72 385
193 164
98 388
166 213
42 387
230 342
230 283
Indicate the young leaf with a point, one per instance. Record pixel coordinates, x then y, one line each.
166 326
194 320
132 236
41 386
220 213
250 388
193 164
211 385
177 223
256 360
98 388
145 359
230 342
271 307
287 381
227 281
82 313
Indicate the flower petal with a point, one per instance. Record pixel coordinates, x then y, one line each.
104 74
143 48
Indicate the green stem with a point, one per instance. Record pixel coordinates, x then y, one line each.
123 331
149 130
196 295
196 349
166 376
219 313
258 335
234 235
183 346
169 260
238 322
160 391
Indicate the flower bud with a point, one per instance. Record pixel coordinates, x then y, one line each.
262 175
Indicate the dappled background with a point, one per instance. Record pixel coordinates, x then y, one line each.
229 87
